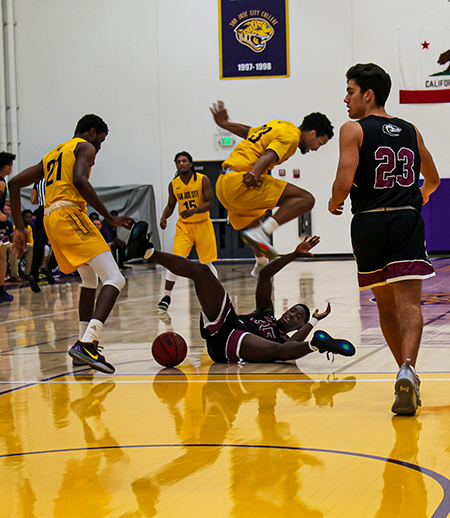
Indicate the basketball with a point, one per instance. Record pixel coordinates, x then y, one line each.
169 349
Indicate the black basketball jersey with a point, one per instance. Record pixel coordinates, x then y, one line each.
389 166
264 325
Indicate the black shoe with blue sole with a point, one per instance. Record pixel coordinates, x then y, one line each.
324 343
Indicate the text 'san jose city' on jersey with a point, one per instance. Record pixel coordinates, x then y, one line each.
282 137
190 196
389 166
58 173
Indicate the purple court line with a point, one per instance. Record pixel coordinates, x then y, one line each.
442 511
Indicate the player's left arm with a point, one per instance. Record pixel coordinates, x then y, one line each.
85 157
263 294
207 196
428 170
350 140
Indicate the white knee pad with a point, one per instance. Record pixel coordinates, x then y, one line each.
89 278
107 270
171 277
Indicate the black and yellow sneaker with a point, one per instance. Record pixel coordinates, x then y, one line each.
88 352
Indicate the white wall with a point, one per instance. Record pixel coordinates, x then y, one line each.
150 69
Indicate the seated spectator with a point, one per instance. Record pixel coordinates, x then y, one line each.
8 224
106 235
27 216
118 245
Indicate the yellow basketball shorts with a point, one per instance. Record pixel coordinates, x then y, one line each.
201 235
244 205
74 238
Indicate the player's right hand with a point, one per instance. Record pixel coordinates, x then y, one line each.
303 249
220 113
324 314
122 221
338 211
19 243
250 180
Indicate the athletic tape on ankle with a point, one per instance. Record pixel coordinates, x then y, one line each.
313 321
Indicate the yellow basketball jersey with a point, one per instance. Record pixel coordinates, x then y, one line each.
58 172
190 196
280 136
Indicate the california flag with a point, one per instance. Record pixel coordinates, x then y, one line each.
424 65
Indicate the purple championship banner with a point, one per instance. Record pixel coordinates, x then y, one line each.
253 39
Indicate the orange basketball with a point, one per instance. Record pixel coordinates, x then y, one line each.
169 349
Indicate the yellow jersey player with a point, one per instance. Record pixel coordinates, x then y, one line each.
76 242
192 191
246 188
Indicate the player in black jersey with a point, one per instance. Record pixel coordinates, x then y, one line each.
380 160
257 337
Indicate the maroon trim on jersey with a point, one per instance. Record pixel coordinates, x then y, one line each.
418 269
424 96
214 327
233 343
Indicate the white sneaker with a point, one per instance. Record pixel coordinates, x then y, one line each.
257 238
407 391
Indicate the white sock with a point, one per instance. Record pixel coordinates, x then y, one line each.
167 293
93 331
262 260
149 253
82 326
269 226
213 269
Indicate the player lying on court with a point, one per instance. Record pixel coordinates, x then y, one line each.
257 337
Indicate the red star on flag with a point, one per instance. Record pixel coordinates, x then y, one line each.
425 45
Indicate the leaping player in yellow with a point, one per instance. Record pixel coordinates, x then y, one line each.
246 188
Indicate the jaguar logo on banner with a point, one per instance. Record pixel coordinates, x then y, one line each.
254 33
253 38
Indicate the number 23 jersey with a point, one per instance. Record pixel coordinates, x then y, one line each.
58 171
389 166
190 196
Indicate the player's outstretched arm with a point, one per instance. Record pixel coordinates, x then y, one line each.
263 294
85 156
220 115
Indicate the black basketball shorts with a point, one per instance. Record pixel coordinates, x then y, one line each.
389 246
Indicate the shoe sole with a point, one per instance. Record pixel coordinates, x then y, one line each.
267 250
343 347
163 308
79 363
405 402
90 361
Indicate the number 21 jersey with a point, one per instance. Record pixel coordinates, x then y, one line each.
58 172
